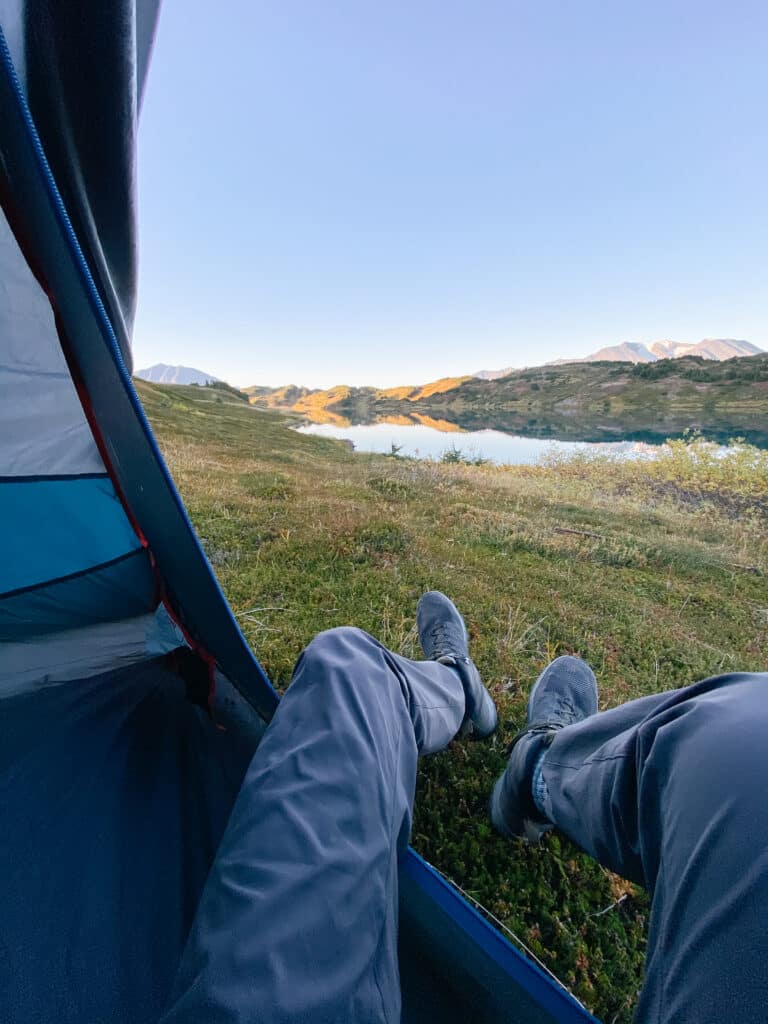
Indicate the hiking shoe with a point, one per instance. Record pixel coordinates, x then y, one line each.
564 693
443 637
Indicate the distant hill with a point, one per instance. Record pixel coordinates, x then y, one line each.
162 373
637 352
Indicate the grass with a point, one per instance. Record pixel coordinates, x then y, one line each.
650 570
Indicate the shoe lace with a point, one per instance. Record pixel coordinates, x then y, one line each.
566 705
563 713
442 639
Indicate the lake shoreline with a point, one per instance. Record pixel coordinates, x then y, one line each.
427 442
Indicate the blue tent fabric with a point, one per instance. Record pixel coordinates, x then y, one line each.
118 589
116 785
61 510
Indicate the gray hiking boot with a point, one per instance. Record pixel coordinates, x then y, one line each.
443 637
564 693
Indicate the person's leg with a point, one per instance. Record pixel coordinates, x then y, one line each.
298 920
669 791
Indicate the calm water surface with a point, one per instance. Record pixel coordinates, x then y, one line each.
428 443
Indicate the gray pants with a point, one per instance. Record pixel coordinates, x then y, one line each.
298 920
670 791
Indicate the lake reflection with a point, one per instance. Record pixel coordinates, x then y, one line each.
426 442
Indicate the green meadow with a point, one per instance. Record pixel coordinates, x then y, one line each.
652 570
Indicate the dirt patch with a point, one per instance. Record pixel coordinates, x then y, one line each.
732 505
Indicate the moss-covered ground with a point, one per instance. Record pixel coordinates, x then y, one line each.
653 571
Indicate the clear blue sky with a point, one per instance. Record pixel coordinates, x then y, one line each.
388 192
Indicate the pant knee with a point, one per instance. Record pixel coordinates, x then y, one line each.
346 669
337 639
340 647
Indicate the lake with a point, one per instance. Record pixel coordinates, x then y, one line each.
425 442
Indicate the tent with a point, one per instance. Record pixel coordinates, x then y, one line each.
130 703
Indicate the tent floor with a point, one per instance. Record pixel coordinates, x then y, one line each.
114 794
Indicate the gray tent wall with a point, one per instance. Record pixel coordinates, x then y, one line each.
114 785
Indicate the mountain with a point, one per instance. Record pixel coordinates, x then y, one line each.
627 352
717 349
637 352
667 349
724 348
161 373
